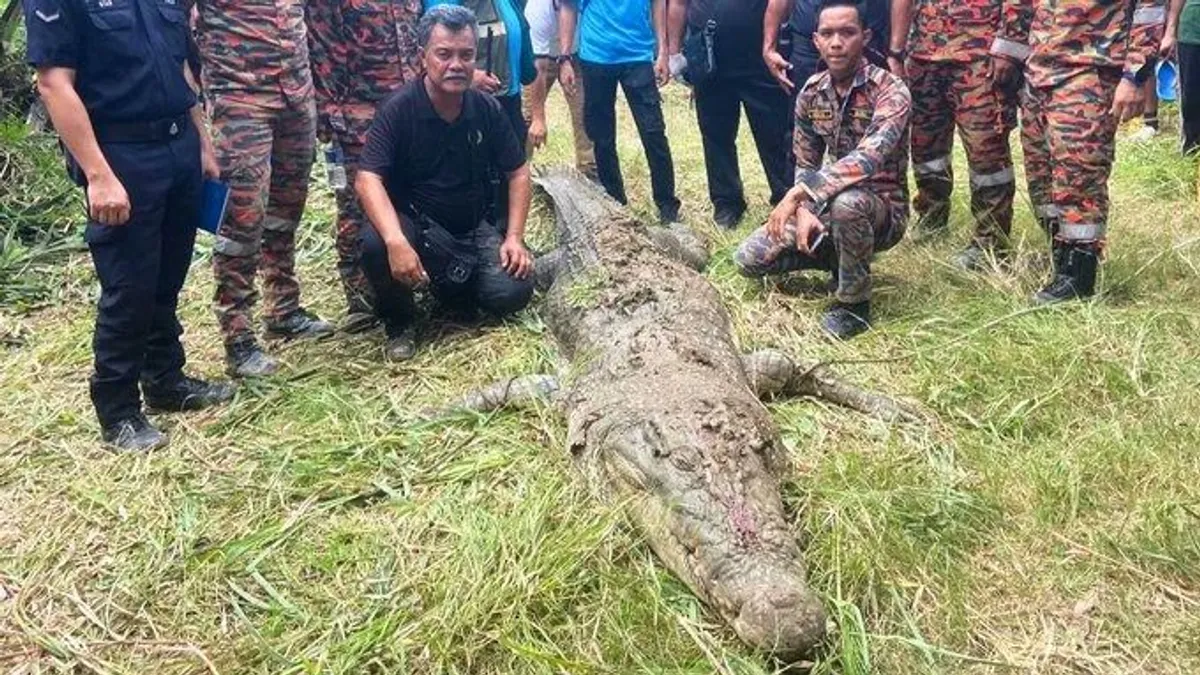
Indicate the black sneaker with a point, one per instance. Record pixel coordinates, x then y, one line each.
188 394
247 359
728 217
133 434
401 345
1074 277
300 324
844 321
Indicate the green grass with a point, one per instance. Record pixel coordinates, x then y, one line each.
1046 524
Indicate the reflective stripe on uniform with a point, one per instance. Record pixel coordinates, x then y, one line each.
1080 231
277 224
1011 49
1046 211
236 249
985 180
1149 15
939 165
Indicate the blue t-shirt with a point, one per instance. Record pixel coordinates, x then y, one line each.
616 31
512 28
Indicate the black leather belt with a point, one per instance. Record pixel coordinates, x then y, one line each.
157 131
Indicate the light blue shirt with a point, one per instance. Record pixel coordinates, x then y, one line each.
616 31
512 28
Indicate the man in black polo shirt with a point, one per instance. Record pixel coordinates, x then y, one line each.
435 157
736 76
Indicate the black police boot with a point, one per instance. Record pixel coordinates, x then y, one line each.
299 324
843 321
668 214
133 434
1074 275
977 256
728 216
359 321
401 344
247 359
188 394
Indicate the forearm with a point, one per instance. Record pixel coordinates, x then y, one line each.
373 197
658 14
676 24
1173 18
568 16
772 19
199 117
71 120
901 24
1145 34
538 91
520 193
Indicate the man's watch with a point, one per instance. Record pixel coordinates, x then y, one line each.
898 54
564 58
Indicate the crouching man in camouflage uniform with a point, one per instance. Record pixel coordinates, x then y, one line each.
260 94
859 114
1087 64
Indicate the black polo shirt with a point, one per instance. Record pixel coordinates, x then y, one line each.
128 55
435 167
737 43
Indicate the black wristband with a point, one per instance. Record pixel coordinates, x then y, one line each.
898 54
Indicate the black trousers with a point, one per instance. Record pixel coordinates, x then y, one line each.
719 104
1189 95
491 289
141 267
600 121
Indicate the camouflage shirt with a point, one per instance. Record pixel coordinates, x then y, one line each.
253 49
1071 35
967 30
362 51
865 135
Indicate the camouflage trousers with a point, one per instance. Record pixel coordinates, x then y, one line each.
265 150
350 222
859 222
946 95
1068 136
585 155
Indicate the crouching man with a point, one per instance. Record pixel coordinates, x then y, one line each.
436 156
838 216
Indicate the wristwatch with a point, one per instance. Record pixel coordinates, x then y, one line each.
898 54
564 58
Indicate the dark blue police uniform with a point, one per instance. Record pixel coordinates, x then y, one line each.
128 57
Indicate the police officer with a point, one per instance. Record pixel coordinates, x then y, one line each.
112 75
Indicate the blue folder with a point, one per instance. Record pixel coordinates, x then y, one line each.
213 203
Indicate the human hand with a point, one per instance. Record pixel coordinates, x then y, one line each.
779 68
208 161
1168 47
486 82
515 258
1129 101
405 265
783 212
807 227
108 203
676 63
662 71
896 67
566 75
537 133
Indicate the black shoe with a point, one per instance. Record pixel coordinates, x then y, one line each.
668 215
977 257
1074 276
359 322
133 434
401 345
188 394
844 321
299 324
247 359
728 217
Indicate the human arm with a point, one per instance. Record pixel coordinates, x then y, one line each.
514 257
537 91
568 18
809 149
902 11
1145 38
777 10
1170 40
676 29
208 156
658 16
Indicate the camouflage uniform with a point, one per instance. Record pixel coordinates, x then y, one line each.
862 195
1080 50
362 51
949 71
259 89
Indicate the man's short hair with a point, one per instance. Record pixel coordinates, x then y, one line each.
832 4
453 17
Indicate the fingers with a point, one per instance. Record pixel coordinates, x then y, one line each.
112 213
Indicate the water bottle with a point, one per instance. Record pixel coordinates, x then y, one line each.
335 167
